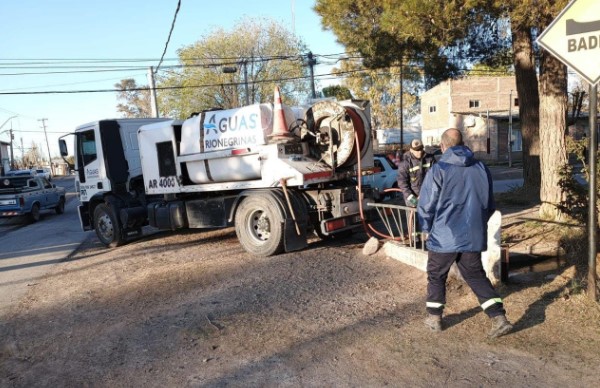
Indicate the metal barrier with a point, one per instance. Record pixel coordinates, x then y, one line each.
400 223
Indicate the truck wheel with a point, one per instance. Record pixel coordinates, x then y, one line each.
34 216
107 226
60 208
259 225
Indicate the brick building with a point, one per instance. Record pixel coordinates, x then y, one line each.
485 109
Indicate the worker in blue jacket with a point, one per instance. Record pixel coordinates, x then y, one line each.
455 204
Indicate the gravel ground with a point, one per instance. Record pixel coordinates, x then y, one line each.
193 309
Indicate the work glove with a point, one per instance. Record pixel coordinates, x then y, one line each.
411 201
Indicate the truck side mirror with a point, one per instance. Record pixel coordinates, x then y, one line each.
64 152
62 144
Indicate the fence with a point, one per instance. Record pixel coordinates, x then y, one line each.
400 223
406 243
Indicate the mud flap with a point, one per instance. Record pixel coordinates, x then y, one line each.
291 240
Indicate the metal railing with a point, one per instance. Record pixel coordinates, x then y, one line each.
400 223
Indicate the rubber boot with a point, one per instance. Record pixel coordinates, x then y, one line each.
500 326
434 322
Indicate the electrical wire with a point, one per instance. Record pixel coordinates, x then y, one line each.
223 62
72 83
169 37
171 87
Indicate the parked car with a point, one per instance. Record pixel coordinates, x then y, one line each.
385 177
29 195
45 172
21 173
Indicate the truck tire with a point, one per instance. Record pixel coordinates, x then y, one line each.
107 227
34 216
60 208
259 225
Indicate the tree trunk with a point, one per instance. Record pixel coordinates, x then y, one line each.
553 120
529 102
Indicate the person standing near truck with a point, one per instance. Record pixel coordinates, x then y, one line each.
412 170
454 208
411 173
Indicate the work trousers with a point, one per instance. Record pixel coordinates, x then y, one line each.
471 269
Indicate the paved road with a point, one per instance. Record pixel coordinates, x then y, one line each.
30 249
506 179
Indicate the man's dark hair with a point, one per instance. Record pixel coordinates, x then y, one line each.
452 137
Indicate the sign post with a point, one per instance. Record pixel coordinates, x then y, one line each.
592 216
574 38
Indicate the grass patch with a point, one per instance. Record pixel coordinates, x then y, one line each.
532 224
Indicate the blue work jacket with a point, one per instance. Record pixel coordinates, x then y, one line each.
456 203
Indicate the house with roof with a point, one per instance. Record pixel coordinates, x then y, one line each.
485 109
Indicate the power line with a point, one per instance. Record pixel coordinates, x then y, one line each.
70 63
46 61
224 61
49 132
169 87
101 69
49 61
337 74
169 37
67 84
74 72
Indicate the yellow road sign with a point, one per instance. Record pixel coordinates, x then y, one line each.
574 38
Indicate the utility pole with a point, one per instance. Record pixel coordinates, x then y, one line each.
401 103
593 193
12 161
311 63
510 125
234 95
12 154
47 145
245 63
153 101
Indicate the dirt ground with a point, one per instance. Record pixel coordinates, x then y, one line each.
193 309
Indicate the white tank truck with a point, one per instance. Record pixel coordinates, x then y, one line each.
274 173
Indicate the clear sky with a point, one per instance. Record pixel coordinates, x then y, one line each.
66 30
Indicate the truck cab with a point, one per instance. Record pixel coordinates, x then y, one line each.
107 163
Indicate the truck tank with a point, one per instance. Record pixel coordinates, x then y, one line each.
331 129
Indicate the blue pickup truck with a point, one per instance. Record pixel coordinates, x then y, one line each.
29 195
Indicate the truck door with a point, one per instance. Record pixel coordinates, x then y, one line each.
88 165
51 193
86 152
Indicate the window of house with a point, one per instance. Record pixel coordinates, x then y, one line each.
473 103
432 109
516 102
